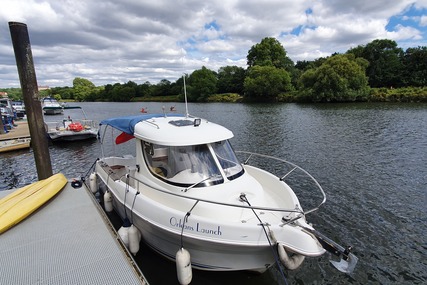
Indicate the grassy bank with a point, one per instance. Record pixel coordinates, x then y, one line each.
408 94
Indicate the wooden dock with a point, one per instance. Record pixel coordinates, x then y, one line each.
17 138
21 131
67 241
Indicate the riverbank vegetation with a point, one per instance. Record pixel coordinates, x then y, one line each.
379 71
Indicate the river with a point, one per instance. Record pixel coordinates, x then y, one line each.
369 158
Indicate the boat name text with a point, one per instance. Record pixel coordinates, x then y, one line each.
197 228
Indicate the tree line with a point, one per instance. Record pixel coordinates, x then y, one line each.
377 71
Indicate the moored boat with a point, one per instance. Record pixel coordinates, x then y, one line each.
72 129
51 106
186 188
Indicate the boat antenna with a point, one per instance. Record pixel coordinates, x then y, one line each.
185 97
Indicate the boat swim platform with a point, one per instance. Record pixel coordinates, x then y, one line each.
69 240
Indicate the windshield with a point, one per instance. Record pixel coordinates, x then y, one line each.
182 165
227 159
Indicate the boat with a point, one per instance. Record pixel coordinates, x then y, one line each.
14 144
51 106
190 197
19 107
19 204
70 128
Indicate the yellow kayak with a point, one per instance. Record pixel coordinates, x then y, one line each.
21 203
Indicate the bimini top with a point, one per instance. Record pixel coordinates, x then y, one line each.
173 130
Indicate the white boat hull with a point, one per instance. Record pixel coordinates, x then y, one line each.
186 189
214 244
72 136
53 111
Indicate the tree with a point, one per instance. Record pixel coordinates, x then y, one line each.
82 88
202 84
143 90
269 52
415 66
230 79
265 83
122 93
161 89
385 67
340 78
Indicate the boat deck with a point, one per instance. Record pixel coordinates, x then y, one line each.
67 241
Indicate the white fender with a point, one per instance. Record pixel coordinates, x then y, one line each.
124 235
108 202
134 239
183 267
290 263
92 182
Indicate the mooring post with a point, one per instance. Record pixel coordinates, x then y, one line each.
27 77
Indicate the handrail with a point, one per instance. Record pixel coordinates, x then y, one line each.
127 175
252 154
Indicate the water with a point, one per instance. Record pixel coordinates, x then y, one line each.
369 158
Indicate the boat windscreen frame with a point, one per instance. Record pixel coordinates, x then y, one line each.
182 166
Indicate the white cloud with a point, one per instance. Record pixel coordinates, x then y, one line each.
109 41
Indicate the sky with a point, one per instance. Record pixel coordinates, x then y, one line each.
110 42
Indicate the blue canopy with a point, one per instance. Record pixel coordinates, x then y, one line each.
127 124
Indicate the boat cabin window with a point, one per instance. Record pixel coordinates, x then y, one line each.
227 159
182 165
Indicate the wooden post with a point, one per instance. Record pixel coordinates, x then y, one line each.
27 77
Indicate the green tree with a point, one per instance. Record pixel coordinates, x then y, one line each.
143 90
385 66
269 52
82 88
122 93
162 88
201 84
265 83
340 78
230 79
64 92
415 66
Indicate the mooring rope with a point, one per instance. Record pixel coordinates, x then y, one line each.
126 192
185 220
243 198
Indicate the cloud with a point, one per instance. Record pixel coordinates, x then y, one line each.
139 40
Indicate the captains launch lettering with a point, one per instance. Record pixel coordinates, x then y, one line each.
198 228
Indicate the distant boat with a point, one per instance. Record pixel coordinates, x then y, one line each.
72 129
51 107
19 107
